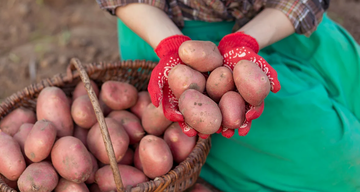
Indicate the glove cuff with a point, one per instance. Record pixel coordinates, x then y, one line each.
170 44
238 39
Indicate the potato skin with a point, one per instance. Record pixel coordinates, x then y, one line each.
81 134
154 121
180 144
131 124
95 165
128 158
142 102
155 156
40 140
251 82
52 105
38 177
22 134
118 95
119 139
80 90
12 122
71 159
13 163
219 82
203 56
65 186
137 162
200 112
182 77
83 112
129 176
232 107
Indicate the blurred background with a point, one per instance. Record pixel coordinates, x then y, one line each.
39 37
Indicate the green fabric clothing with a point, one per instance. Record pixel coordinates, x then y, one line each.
308 137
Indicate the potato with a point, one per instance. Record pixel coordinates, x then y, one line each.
180 144
40 140
200 112
94 188
128 158
22 134
219 82
155 156
118 95
95 167
71 159
182 77
154 121
129 176
142 102
38 177
131 124
105 109
203 56
12 161
119 139
251 82
80 90
83 112
12 184
12 122
53 105
81 134
137 162
65 186
232 107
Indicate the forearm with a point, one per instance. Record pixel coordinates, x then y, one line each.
150 23
268 27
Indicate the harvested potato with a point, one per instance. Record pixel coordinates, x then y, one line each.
219 82
179 143
129 176
182 77
251 82
232 107
71 159
155 156
154 121
53 105
137 162
142 102
203 56
12 184
95 167
118 95
128 159
80 90
119 139
67 186
12 122
40 140
83 112
13 163
22 134
81 134
200 112
38 177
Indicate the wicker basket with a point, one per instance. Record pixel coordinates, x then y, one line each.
136 73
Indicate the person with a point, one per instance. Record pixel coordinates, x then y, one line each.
307 137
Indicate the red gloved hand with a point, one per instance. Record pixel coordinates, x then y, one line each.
234 48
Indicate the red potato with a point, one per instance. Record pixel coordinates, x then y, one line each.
80 90
179 143
119 139
219 82
142 102
53 105
182 77
155 156
66 186
91 178
81 134
131 124
38 177
128 159
129 176
118 95
71 159
12 122
22 134
94 188
12 184
40 140
83 112
154 121
200 112
137 162
203 56
251 82
12 161
232 107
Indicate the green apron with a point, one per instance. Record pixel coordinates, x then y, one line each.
308 137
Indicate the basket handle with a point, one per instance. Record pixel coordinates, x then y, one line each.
75 63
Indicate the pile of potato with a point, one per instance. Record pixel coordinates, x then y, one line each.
60 148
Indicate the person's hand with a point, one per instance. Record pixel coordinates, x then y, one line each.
234 48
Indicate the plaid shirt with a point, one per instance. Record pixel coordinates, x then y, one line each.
305 15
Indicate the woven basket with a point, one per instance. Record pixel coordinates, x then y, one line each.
137 73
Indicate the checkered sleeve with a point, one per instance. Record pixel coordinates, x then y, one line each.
111 5
305 15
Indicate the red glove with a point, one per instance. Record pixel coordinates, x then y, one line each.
239 46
